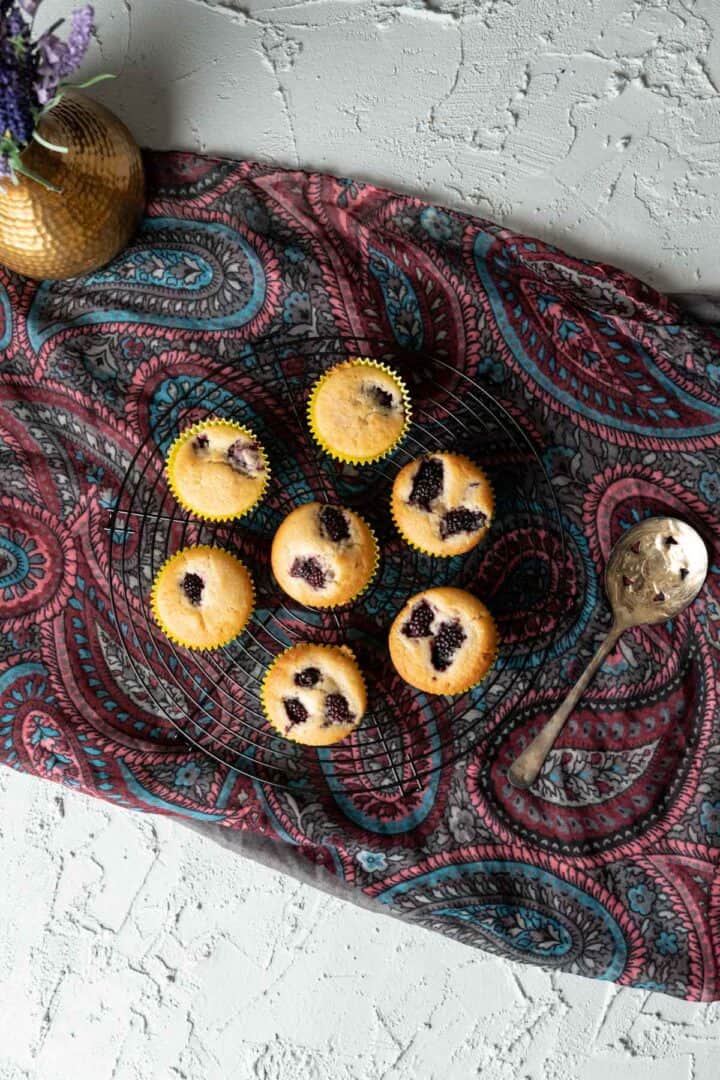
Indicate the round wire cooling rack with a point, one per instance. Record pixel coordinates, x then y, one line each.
212 698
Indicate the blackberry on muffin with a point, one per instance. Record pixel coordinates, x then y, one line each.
359 410
314 694
323 555
442 504
444 641
202 597
217 469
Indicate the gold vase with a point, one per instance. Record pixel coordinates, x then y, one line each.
58 234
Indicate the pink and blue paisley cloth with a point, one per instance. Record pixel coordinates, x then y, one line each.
609 866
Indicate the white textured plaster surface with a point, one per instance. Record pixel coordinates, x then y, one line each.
593 123
134 949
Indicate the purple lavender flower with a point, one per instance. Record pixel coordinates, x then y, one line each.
51 62
83 21
17 72
31 72
16 26
57 58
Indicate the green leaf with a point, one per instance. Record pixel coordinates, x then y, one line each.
53 102
75 86
90 82
48 145
19 167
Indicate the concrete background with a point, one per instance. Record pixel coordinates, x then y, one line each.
133 949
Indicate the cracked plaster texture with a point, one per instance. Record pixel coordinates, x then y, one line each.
134 949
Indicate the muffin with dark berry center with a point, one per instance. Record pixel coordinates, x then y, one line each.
323 555
444 641
217 469
442 503
202 597
314 694
359 410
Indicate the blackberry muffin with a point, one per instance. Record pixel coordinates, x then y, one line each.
442 504
444 641
359 410
314 694
217 469
323 556
202 597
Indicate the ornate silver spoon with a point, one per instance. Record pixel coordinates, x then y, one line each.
654 571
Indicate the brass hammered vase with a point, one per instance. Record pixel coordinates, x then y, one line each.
99 201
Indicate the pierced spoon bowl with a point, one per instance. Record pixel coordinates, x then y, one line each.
655 570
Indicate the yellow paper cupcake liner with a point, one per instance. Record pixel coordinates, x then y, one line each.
359 361
435 554
197 429
269 669
170 634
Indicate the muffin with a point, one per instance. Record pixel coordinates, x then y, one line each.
444 641
217 469
202 597
314 694
323 556
442 504
359 410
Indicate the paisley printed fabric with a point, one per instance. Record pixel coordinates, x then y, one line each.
608 867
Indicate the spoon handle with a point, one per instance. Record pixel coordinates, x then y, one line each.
525 770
